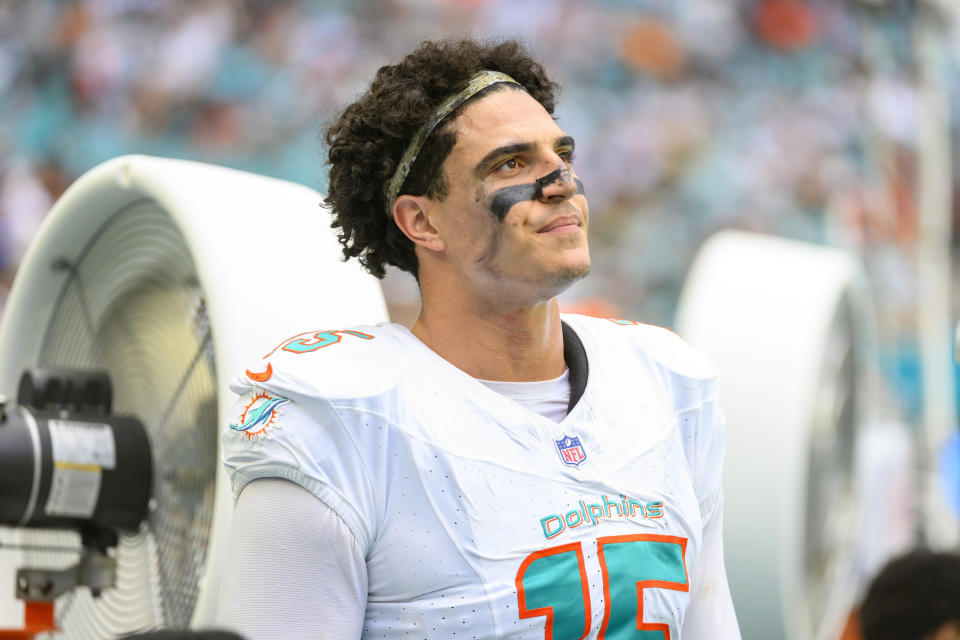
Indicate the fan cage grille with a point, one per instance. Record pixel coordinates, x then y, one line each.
132 305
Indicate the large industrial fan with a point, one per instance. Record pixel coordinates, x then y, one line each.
155 281
791 329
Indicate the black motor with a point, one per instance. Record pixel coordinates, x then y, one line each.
67 463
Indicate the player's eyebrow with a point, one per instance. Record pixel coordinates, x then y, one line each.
565 141
499 152
516 147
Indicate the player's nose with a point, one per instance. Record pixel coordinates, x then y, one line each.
557 186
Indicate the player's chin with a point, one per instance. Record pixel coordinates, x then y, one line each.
551 283
568 273
575 260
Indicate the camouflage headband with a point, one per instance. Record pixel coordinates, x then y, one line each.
480 81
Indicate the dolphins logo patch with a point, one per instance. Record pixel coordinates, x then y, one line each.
259 415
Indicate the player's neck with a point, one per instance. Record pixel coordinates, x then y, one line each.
520 344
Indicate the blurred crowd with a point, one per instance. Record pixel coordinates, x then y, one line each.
795 117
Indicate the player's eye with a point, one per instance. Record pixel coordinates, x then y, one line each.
509 165
566 155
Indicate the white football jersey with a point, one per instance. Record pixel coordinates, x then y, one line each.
480 518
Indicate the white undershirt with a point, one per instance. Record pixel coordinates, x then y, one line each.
549 398
293 567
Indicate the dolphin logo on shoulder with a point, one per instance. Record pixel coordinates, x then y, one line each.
259 415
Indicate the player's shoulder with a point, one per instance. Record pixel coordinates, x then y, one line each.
351 362
656 344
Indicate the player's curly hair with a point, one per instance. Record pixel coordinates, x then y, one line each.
370 136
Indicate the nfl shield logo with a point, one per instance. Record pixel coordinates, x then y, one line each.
571 451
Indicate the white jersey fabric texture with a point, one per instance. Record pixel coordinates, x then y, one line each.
313 555
480 518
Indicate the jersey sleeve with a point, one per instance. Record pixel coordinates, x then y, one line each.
279 431
711 615
705 430
691 381
310 411
693 384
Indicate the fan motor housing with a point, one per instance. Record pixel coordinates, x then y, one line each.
67 463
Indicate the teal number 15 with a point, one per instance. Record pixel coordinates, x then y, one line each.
553 583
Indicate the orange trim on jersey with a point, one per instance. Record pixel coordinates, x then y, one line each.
358 334
288 341
641 584
315 336
314 339
548 611
262 376
319 337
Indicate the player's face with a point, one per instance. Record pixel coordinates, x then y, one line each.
515 216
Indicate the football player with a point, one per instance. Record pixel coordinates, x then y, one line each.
499 470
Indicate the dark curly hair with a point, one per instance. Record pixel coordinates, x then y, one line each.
370 136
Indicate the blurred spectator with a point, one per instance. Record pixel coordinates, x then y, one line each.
914 597
27 191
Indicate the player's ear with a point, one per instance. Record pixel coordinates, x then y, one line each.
411 213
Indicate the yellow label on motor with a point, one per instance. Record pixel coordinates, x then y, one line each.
76 466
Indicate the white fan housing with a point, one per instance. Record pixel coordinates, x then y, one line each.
184 258
790 327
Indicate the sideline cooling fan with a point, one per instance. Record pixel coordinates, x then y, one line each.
791 329
170 277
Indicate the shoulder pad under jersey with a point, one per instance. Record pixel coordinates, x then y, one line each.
332 363
660 345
